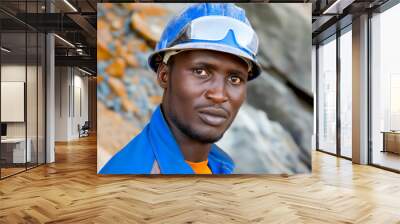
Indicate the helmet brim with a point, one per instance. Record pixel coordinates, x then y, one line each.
156 57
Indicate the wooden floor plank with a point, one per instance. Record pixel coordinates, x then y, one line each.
70 191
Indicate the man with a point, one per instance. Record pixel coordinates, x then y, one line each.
203 61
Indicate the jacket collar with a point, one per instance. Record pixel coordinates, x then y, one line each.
166 150
169 156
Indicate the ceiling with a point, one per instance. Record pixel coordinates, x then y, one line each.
330 15
72 20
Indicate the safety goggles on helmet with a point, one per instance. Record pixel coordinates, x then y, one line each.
216 28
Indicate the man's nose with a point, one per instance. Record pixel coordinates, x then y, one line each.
217 91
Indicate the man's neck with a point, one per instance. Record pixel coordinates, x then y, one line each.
192 150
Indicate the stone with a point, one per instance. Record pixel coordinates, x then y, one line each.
104 89
135 80
117 86
155 99
149 26
113 133
99 79
149 9
110 16
284 32
119 47
117 68
129 106
117 24
270 95
102 51
102 25
258 145
135 44
130 59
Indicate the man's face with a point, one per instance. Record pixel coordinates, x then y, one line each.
203 92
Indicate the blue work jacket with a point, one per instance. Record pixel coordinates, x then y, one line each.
156 144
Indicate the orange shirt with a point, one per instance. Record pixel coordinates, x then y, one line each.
199 167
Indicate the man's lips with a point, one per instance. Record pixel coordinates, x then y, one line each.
213 116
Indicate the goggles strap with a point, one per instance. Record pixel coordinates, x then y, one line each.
169 54
249 64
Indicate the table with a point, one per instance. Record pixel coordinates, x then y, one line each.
18 150
391 141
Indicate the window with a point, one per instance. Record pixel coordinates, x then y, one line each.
23 79
327 96
346 93
385 89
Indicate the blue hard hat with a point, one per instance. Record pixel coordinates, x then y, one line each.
220 27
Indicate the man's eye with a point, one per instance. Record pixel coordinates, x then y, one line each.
202 73
235 80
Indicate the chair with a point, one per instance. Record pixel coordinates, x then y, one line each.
84 130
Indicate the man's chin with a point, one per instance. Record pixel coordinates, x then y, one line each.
207 134
207 138
199 132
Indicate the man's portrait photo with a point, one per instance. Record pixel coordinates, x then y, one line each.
204 88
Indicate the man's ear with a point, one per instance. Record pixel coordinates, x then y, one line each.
163 75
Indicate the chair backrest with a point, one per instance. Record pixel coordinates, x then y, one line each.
86 125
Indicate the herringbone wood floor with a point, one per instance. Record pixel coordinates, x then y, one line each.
69 191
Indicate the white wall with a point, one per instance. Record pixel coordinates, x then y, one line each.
80 110
61 103
71 88
12 100
33 126
12 73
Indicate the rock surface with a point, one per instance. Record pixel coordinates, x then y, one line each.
284 32
270 95
259 145
272 131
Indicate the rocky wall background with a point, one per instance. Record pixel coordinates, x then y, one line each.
272 132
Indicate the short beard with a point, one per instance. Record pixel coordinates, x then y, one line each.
192 133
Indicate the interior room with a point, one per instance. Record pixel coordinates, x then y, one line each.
49 107
22 103
33 97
